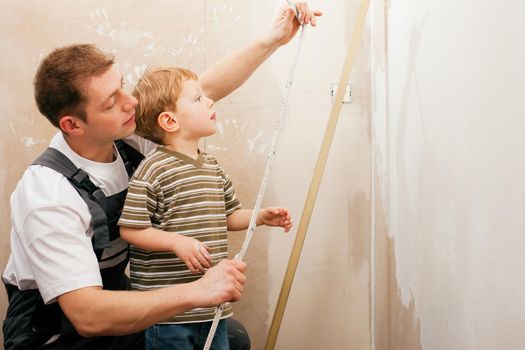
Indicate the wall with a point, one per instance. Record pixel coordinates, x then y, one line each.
449 195
329 303
420 248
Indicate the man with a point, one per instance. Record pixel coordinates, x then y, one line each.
65 276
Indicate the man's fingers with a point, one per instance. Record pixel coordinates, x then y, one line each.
306 15
236 267
227 280
289 14
237 293
238 285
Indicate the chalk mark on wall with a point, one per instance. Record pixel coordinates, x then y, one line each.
28 141
141 36
126 37
251 142
223 9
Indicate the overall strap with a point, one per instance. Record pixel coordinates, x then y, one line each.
130 156
90 193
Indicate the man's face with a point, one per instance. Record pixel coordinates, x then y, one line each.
110 110
195 111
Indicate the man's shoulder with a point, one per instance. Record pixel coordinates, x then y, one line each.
140 144
41 187
40 178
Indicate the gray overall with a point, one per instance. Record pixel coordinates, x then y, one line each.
30 324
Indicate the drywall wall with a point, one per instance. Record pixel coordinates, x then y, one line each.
329 303
449 194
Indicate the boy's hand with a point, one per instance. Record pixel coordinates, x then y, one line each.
194 254
275 217
286 25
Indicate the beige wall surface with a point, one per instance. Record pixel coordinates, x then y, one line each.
448 189
329 303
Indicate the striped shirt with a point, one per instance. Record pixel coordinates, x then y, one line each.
176 193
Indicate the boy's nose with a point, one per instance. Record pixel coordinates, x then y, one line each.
210 102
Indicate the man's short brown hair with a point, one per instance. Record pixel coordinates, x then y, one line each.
61 77
157 91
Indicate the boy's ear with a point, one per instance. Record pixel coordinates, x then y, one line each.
168 122
71 125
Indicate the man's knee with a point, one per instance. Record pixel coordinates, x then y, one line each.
237 335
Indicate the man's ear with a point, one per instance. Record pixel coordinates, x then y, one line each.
168 122
71 125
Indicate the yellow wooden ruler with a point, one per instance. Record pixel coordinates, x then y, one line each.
318 174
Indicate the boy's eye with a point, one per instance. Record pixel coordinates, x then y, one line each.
198 98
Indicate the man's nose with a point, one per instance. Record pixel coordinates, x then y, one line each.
130 103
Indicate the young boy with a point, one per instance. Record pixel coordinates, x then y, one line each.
181 203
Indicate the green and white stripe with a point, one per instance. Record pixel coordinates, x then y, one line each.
175 193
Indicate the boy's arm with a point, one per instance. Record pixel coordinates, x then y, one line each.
230 72
190 250
136 228
240 219
97 312
150 238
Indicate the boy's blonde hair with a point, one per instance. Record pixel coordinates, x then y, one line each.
157 91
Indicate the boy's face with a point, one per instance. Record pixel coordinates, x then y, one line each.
110 110
195 112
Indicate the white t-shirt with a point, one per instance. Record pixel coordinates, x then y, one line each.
51 246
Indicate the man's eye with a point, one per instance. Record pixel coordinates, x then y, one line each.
111 105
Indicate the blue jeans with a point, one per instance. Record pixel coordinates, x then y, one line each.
188 336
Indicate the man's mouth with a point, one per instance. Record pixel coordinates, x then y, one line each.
130 120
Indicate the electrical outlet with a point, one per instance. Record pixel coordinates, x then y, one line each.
347 97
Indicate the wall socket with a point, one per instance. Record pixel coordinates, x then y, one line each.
347 97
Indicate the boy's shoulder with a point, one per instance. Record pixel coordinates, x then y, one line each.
209 157
210 161
153 162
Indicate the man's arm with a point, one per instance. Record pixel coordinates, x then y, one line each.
65 266
97 312
230 72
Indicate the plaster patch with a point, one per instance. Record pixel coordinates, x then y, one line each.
30 141
251 142
130 37
262 148
133 74
397 325
126 37
215 148
175 52
220 128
